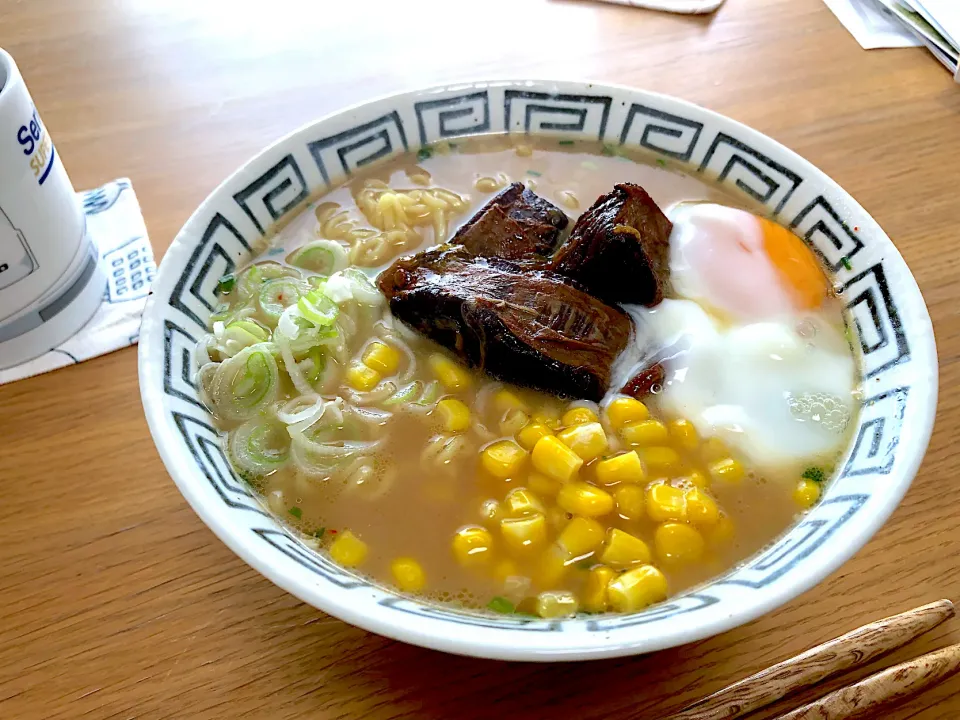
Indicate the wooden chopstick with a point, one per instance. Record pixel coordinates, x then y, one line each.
851 650
893 684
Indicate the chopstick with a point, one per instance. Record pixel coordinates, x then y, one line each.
851 650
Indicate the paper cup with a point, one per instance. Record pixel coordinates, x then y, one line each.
50 280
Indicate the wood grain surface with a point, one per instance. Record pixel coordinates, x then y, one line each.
117 602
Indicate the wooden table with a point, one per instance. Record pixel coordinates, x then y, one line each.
117 602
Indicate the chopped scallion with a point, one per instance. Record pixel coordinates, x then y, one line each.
566 142
608 150
534 173
661 162
226 283
502 605
318 534
296 512
845 261
424 153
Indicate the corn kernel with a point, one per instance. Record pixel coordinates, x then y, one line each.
348 550
723 532
524 533
556 604
660 459
505 568
702 510
454 414
677 544
513 421
408 574
472 545
644 433
543 484
806 493
629 499
503 459
551 568
580 498
665 502
504 400
520 502
683 434
452 376
595 591
636 589
548 415
578 416
624 410
531 434
624 550
587 440
558 518
362 378
694 479
726 470
714 449
490 512
382 358
553 458
625 468
581 536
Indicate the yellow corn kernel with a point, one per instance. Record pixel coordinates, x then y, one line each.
553 458
548 415
490 512
362 378
637 588
726 470
665 502
503 459
624 550
580 498
542 484
504 400
624 410
625 468
520 502
454 414
694 479
714 449
806 493
587 440
723 532
660 459
556 604
581 536
677 544
578 416
702 510
558 518
452 376
531 434
382 358
348 550
595 591
472 545
504 569
551 568
408 574
513 421
683 434
629 499
644 433
524 533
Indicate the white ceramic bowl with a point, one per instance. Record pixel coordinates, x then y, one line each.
893 328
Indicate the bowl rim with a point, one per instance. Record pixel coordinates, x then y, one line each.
440 635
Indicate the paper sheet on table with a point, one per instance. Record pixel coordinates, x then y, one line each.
936 24
870 25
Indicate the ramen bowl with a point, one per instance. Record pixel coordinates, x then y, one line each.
891 335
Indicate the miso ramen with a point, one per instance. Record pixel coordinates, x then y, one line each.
410 412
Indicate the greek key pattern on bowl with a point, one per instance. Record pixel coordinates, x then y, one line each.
662 132
339 155
556 113
453 116
273 194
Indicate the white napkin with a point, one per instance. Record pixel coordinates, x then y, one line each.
870 25
115 225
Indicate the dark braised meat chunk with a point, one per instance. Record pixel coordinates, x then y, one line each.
516 224
523 326
619 248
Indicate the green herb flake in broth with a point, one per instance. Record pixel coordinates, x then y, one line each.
226 283
296 512
845 261
566 142
661 162
502 605
534 173
318 534
424 153
608 150
813 473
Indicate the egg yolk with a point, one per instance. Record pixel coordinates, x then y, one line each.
796 264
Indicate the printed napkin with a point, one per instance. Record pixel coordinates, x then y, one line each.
116 227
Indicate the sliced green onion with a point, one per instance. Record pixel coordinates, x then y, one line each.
363 289
845 261
318 534
534 173
424 153
319 361
245 383
566 142
608 150
661 162
405 394
296 512
259 448
430 393
502 605
226 283
249 281
278 294
318 308
320 256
